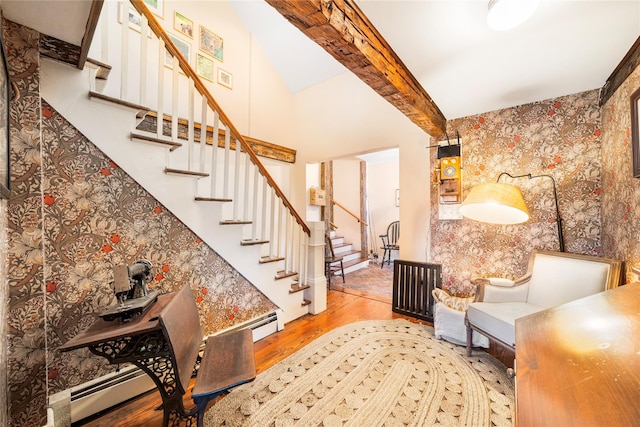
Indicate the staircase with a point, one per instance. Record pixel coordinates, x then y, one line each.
352 259
209 178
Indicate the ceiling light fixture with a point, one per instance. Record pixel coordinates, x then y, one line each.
508 14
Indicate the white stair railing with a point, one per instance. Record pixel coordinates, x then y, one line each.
234 173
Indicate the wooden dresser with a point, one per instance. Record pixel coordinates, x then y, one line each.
579 364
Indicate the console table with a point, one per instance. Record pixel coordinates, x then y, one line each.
579 364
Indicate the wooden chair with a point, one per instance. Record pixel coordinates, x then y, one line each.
390 241
227 361
332 263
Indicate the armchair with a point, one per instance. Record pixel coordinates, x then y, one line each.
552 279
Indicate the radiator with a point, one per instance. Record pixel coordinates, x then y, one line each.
109 390
412 286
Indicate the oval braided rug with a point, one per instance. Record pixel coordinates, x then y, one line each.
374 373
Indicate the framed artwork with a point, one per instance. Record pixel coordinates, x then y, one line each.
635 132
184 48
183 24
225 78
135 20
4 124
156 6
204 67
211 43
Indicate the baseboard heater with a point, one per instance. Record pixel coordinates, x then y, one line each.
109 390
412 286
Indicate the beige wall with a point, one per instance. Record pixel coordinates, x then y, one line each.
382 181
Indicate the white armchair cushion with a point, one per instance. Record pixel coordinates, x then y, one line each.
499 319
501 281
501 294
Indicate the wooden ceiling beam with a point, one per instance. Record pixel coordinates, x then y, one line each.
343 30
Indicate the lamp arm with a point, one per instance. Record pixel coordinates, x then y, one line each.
555 197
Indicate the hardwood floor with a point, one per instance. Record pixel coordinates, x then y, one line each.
342 309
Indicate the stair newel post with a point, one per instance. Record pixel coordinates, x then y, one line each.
203 133
214 153
317 293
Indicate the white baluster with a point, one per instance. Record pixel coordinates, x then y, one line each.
247 172
214 153
191 126
160 89
144 29
203 132
227 153
236 181
124 55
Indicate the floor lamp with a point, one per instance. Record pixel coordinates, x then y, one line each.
501 203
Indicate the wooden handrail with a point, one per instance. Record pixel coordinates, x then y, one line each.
191 74
360 220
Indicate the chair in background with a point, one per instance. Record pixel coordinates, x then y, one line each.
390 241
332 263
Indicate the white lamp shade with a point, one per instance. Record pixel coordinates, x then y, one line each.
507 14
495 203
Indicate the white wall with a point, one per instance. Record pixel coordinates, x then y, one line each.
346 191
382 181
414 198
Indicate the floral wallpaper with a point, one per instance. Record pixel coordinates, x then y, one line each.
73 215
27 375
559 137
621 191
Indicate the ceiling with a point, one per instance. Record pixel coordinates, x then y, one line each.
467 68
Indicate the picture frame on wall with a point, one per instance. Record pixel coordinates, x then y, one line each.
204 67
183 24
156 7
225 78
5 93
135 20
635 132
184 47
211 43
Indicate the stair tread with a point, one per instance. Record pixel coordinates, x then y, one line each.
186 172
142 110
234 222
285 274
212 199
249 242
267 259
355 262
151 137
297 288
